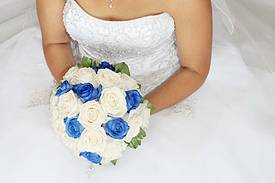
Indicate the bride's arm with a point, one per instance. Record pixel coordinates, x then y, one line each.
56 42
193 21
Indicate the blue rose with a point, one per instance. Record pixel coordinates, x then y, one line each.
87 92
73 127
116 128
92 157
133 99
63 88
106 65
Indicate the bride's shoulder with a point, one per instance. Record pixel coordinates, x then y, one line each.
179 8
50 18
50 4
176 6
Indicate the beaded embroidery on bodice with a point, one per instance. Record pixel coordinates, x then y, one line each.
146 44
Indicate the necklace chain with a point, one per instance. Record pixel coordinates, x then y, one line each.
110 3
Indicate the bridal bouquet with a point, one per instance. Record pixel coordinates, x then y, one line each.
98 111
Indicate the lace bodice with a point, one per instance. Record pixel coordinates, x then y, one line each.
146 44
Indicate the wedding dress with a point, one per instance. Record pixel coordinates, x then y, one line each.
224 132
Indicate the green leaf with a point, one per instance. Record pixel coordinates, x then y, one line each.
151 106
142 132
136 141
140 136
139 142
142 99
85 62
114 162
122 68
131 145
79 65
95 64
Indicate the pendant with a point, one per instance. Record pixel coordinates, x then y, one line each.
111 4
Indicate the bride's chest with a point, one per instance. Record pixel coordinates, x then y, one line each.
144 32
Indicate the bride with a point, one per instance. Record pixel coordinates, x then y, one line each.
105 30
214 120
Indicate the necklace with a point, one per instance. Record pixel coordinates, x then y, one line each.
110 3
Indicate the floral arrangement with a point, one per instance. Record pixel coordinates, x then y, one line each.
98 111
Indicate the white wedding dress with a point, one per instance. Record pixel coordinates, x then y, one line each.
224 132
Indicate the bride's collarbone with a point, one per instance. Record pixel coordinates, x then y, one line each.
119 12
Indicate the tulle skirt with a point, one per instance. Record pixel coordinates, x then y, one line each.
224 132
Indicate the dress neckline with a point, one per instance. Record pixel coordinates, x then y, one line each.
118 21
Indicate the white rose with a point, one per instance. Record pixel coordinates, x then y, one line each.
91 113
60 128
113 151
72 75
54 113
108 78
135 123
53 105
53 99
113 101
92 140
142 112
87 75
128 83
68 104
138 118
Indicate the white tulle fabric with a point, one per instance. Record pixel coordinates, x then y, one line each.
226 16
228 138
250 24
15 16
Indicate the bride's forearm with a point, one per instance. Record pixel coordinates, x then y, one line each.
59 59
179 86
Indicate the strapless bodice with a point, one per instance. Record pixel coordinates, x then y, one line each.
146 44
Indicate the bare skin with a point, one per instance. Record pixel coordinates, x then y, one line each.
193 21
